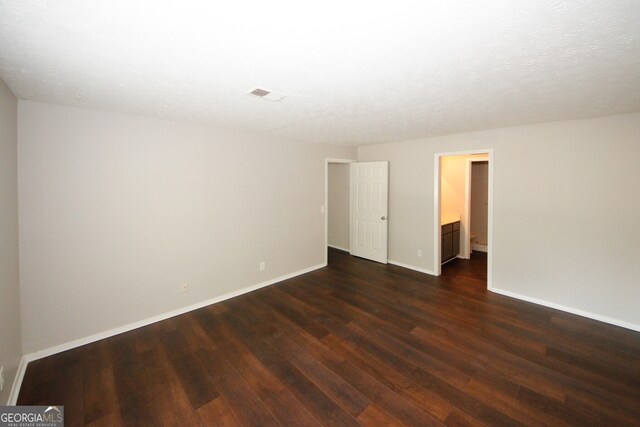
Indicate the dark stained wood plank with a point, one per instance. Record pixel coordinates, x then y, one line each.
99 388
217 413
259 378
340 391
402 385
194 336
555 409
369 346
150 391
172 407
601 410
508 403
139 409
460 419
462 400
69 387
192 374
319 404
289 411
110 420
374 416
244 403
389 401
518 370
532 370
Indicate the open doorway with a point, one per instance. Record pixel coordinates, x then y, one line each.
337 206
478 205
463 211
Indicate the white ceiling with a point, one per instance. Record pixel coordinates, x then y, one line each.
353 72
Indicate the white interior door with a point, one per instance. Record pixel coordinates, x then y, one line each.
369 194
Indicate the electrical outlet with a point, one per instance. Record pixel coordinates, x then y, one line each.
322 209
184 287
419 253
1 378
263 266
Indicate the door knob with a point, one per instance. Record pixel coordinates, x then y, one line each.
383 218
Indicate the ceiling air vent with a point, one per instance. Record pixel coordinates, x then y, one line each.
260 92
266 94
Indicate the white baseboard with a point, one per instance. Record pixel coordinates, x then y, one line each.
17 382
135 325
478 247
410 267
339 248
605 319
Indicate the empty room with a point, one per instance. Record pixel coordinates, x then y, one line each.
319 213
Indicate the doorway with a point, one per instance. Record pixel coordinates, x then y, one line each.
478 200
453 180
362 192
337 208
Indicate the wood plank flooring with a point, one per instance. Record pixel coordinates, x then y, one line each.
356 343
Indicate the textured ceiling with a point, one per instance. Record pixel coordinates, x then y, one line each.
353 72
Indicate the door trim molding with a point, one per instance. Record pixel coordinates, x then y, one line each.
436 211
328 160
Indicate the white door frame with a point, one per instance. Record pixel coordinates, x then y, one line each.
436 211
328 160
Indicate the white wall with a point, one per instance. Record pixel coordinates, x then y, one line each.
116 211
565 224
10 334
338 226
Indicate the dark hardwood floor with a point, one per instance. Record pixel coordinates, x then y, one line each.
354 343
